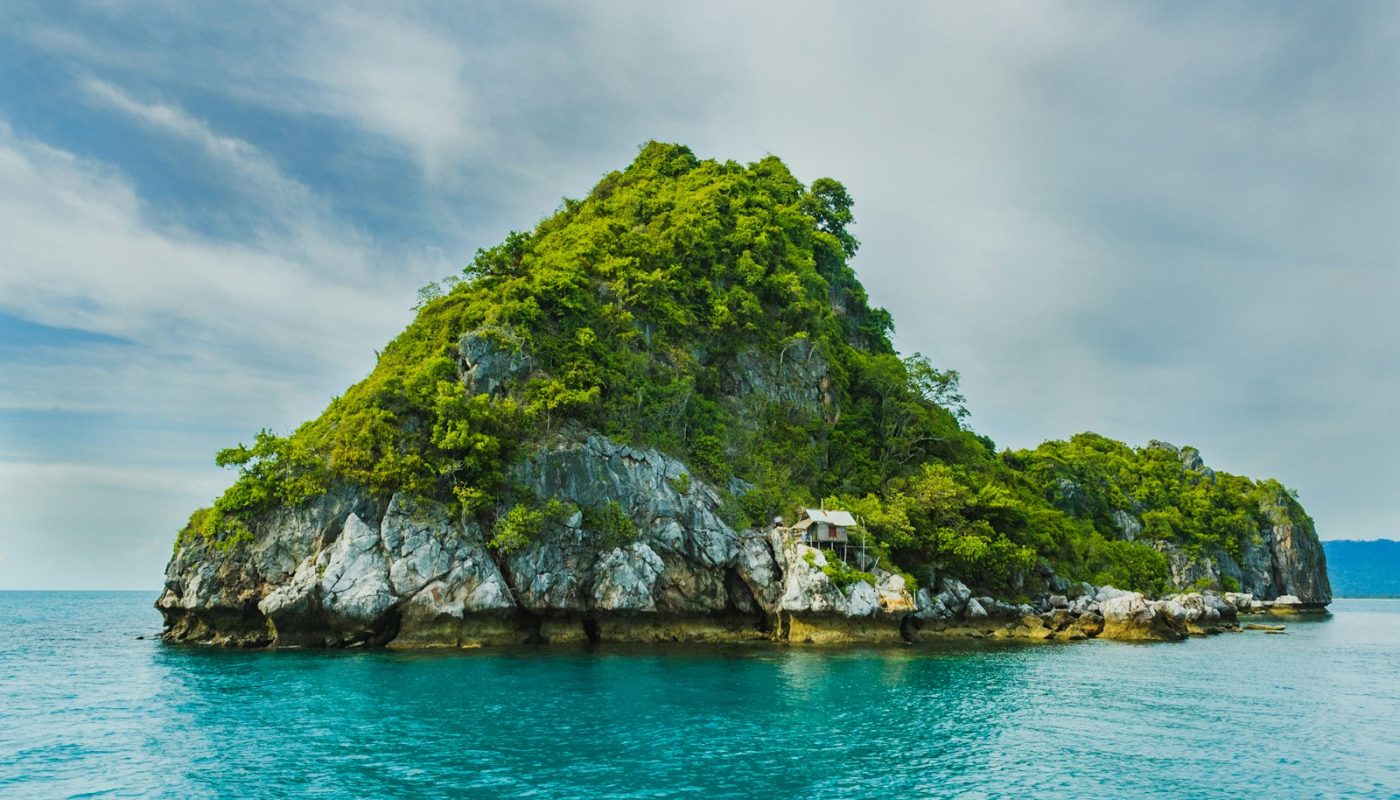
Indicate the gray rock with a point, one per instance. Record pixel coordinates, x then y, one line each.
998 609
1108 593
974 610
492 360
625 579
1128 525
355 580
1083 604
794 377
954 595
923 600
345 568
863 601
1191 459
1187 571
1297 555
1243 602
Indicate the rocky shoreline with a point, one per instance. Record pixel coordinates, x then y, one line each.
345 571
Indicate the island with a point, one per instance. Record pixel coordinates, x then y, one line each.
670 413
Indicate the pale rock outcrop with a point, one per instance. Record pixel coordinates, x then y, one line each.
863 601
894 594
625 577
1206 612
1128 525
1107 592
807 588
1130 616
418 566
355 576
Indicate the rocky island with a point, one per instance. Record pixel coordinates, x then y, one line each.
607 428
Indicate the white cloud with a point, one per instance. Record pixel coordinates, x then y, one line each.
80 253
253 171
396 78
217 336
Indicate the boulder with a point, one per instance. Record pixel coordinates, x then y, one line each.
1108 593
1083 604
1130 616
894 596
974 610
863 600
953 595
1286 604
997 609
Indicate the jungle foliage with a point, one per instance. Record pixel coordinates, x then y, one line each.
635 309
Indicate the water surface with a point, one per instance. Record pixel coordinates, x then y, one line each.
89 710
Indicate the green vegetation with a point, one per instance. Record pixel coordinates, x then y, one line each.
523 523
662 310
611 525
843 575
681 483
1177 499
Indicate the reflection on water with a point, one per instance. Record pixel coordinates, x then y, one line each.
89 709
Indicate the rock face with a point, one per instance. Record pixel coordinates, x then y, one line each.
344 570
341 572
1299 565
1284 558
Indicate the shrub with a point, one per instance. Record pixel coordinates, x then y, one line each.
522 525
681 483
841 574
610 524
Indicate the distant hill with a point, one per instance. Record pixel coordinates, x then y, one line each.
1364 569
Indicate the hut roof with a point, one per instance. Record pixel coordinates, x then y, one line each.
841 519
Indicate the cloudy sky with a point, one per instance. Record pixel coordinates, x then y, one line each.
1154 221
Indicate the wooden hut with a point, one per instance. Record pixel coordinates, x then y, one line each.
824 526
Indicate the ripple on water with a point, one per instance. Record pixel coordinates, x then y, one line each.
86 710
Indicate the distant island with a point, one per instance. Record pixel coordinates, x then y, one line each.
1364 568
669 412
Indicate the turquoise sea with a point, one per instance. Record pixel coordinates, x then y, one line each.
88 709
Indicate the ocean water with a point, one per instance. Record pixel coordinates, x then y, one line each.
89 710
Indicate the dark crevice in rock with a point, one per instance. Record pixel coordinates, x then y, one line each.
909 624
385 629
531 624
740 595
592 631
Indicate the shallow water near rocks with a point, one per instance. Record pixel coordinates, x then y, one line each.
89 710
